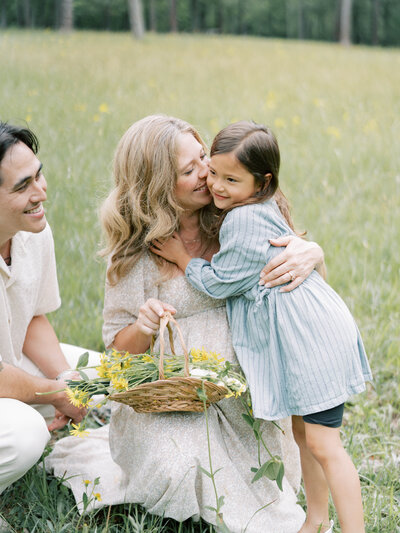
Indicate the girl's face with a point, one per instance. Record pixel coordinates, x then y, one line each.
229 182
191 189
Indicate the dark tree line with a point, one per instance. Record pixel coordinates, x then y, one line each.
375 22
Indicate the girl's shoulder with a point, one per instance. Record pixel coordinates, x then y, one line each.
264 216
263 210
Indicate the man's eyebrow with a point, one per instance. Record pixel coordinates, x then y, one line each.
22 181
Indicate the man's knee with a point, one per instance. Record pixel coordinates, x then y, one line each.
23 437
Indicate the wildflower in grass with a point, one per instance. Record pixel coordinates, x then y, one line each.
279 123
333 132
97 495
103 108
270 101
370 126
296 120
214 125
28 118
96 118
86 482
318 102
78 431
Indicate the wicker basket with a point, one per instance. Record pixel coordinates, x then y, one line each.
172 394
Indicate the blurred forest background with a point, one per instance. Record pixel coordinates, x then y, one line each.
372 22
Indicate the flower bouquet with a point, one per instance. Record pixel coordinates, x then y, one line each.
157 382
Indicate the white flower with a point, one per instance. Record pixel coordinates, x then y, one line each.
203 373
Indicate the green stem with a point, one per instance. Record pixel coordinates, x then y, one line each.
209 451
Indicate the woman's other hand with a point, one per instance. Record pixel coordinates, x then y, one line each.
136 337
148 321
294 264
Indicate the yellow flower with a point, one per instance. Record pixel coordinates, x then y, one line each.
86 482
296 120
28 118
97 495
333 132
103 108
370 126
76 397
279 123
78 431
270 101
120 383
147 359
318 102
96 118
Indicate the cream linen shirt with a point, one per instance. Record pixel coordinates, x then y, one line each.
28 288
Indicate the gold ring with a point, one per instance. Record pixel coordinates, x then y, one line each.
292 275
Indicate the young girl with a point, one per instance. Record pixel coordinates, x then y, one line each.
301 351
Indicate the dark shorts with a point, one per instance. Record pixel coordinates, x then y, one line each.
331 418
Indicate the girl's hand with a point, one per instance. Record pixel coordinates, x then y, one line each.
172 250
150 312
294 264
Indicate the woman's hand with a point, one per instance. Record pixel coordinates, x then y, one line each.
294 264
148 321
173 250
136 337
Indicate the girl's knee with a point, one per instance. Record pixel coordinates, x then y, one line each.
324 443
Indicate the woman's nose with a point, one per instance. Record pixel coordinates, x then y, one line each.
204 167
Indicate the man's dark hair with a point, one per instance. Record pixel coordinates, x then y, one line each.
10 135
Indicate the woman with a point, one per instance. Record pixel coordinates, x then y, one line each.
160 172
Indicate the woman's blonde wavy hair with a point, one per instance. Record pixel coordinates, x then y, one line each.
142 205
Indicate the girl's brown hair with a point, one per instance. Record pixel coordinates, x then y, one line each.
256 148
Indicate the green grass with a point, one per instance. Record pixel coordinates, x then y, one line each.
336 113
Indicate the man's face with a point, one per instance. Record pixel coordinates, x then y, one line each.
22 191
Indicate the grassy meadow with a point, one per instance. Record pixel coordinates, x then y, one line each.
336 113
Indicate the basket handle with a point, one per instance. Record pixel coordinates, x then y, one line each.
165 321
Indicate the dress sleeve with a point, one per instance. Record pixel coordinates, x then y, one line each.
123 300
120 303
244 249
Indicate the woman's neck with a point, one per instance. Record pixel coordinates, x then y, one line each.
189 228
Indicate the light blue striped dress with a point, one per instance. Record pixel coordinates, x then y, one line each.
301 351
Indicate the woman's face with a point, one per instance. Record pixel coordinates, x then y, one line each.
191 189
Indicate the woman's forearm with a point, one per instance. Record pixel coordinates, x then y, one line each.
132 340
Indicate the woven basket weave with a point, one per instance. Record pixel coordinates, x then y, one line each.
172 394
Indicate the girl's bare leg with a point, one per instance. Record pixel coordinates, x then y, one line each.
315 484
325 445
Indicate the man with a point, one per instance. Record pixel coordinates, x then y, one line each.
30 354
